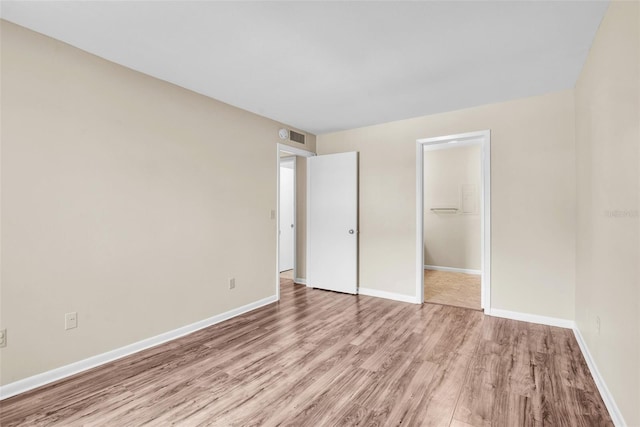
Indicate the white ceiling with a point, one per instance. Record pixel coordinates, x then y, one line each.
326 66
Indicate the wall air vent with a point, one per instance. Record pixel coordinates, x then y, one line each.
296 137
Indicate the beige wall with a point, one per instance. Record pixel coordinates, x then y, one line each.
532 189
126 199
608 235
452 239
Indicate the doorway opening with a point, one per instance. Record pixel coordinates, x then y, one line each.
290 215
453 220
287 216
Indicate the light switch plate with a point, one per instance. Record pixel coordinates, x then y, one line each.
71 320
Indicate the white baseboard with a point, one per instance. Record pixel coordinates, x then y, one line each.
532 318
607 397
452 269
44 378
300 281
388 295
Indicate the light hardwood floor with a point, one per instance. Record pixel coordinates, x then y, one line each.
457 289
320 358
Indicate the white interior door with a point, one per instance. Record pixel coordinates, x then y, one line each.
332 229
287 223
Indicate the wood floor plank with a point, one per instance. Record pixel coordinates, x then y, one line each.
325 359
352 415
527 375
402 411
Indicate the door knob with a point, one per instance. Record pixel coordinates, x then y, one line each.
291 225
351 231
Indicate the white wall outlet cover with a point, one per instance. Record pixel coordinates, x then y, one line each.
71 320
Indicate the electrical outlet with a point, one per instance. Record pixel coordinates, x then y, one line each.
598 325
71 320
232 283
273 214
3 338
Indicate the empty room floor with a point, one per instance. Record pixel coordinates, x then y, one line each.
326 359
456 289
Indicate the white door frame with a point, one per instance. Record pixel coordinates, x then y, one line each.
297 152
482 138
283 161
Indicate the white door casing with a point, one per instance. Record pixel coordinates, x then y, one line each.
483 138
275 213
286 221
332 229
